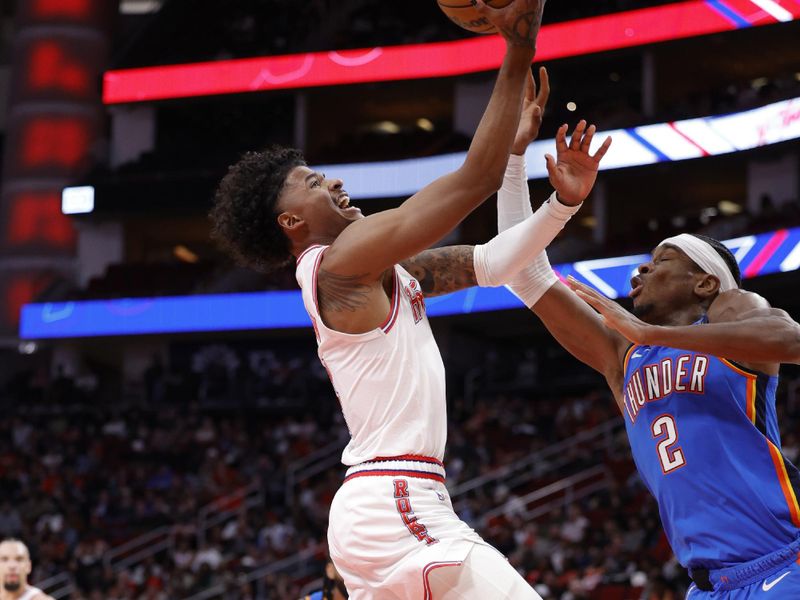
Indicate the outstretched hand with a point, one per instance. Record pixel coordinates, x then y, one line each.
518 22
532 112
574 173
614 316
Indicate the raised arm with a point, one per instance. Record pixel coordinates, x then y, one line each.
576 327
366 248
742 327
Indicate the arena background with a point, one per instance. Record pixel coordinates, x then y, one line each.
166 430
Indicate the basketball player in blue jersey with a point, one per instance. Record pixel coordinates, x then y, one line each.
694 371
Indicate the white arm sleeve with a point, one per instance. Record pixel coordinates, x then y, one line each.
514 197
514 206
499 260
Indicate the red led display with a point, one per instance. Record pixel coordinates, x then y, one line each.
76 9
35 218
62 141
51 68
442 59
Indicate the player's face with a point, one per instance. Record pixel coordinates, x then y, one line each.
322 204
664 285
15 565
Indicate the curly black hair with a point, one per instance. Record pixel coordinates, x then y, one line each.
244 213
726 255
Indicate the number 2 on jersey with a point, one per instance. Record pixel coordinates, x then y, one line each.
671 458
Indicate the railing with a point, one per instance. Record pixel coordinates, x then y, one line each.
556 495
311 465
58 586
227 507
162 539
539 463
296 564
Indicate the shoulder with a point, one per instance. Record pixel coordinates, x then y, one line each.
730 305
40 595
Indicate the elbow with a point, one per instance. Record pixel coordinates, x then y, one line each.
788 342
793 344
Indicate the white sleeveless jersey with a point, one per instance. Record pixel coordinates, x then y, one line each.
30 593
390 381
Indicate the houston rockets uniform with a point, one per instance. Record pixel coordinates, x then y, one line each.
392 521
704 436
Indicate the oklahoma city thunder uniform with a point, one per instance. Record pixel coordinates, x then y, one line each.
704 436
392 521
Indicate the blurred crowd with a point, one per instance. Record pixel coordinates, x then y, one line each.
80 475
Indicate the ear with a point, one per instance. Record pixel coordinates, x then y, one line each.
290 221
706 286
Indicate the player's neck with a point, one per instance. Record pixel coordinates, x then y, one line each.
679 318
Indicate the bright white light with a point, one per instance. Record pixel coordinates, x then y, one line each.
425 124
774 9
389 127
572 107
77 200
139 7
27 347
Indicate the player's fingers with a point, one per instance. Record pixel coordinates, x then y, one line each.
601 151
593 302
530 88
575 142
551 164
561 138
587 138
586 289
544 88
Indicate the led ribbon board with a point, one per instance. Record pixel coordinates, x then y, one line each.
661 142
762 254
420 61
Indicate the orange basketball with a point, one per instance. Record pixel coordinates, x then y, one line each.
463 14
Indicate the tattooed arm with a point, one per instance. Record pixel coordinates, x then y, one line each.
442 270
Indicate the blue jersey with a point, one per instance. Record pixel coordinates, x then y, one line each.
704 436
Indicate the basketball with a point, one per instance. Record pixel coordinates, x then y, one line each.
464 14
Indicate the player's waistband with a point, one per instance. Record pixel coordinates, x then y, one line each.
746 573
409 465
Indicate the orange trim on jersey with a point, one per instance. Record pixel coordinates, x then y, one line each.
751 399
628 353
306 251
786 485
752 380
737 368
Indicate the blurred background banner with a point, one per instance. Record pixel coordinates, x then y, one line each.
762 254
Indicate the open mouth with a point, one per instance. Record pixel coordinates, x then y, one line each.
636 287
343 201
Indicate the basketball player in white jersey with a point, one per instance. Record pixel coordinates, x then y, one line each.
15 567
392 532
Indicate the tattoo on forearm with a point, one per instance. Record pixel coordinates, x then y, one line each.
525 29
443 270
341 293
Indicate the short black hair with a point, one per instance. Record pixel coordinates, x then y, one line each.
244 213
725 254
